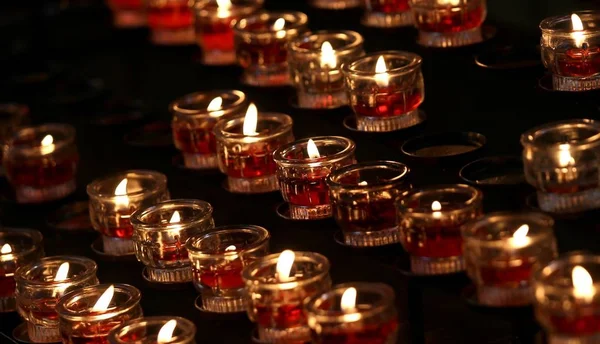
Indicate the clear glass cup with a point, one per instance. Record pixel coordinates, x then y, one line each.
317 73
218 258
573 57
387 13
160 233
302 179
449 23
171 22
387 100
38 291
500 252
41 162
112 203
146 331
261 46
363 197
18 246
561 160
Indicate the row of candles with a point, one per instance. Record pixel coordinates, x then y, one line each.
511 258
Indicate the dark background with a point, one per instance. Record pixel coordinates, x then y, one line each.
78 44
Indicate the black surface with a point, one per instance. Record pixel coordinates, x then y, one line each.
79 45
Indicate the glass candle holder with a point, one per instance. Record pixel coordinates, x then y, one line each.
385 90
303 179
12 117
247 160
86 319
276 305
366 314
449 23
571 50
261 42
566 299
363 198
149 330
500 251
160 234
335 4
41 162
41 284
128 13
218 258
171 22
561 160
214 27
194 119
387 13
316 60
113 199
430 220
18 246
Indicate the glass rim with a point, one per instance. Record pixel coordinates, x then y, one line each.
66 129
177 110
300 20
75 295
474 201
35 235
280 154
193 250
160 178
423 4
528 139
402 169
138 223
547 24
249 272
238 8
469 229
414 60
355 39
90 270
323 316
570 259
221 133
188 327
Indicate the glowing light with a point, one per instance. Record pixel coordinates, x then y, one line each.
348 303
230 248
436 207
47 144
328 58
363 183
223 9
284 265
6 249
583 284
104 300
62 273
121 199
278 26
564 155
175 218
250 121
449 2
520 238
166 332
312 150
215 104
578 35
382 78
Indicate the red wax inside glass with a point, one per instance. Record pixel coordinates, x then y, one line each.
41 173
95 334
578 325
228 276
283 316
127 4
42 309
389 6
170 15
7 283
123 228
389 102
217 35
368 334
375 215
580 62
172 253
256 161
272 52
506 275
451 21
568 189
196 140
438 241
309 191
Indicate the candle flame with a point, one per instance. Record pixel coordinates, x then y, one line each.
312 150
578 35
224 3
166 332
230 248
521 232
564 155
382 78
104 300
250 121
436 206
121 192
449 2
284 265
47 144
5 249
278 26
348 303
215 104
62 273
175 218
328 58
363 183
583 284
